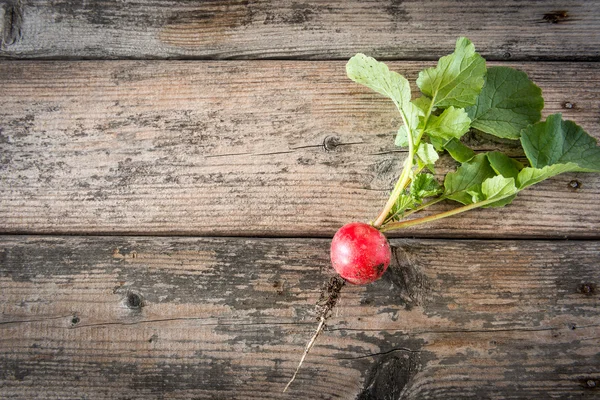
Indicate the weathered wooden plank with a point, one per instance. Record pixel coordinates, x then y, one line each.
237 148
409 29
139 317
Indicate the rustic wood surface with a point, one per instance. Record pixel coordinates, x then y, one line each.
139 317
409 29
259 150
238 148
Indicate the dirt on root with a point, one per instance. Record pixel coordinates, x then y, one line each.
329 296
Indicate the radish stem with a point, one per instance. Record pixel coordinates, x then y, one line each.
421 207
418 221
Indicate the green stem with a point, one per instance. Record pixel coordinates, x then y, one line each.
421 207
427 117
418 221
405 175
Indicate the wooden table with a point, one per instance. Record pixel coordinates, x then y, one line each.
172 173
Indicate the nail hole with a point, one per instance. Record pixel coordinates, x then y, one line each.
591 383
555 17
572 326
575 184
278 286
568 105
331 142
587 289
134 301
75 320
507 55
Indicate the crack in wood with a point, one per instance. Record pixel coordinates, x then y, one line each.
382 353
452 331
24 321
291 150
151 321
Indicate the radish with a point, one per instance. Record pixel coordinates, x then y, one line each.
456 96
360 253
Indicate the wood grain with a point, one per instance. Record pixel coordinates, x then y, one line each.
409 29
139 317
272 148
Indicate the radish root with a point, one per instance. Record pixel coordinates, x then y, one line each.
328 300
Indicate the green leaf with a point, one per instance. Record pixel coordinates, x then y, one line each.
377 76
531 176
423 103
423 186
468 177
457 79
401 137
438 143
403 203
452 123
508 103
458 150
412 115
499 188
504 165
555 141
427 154
475 193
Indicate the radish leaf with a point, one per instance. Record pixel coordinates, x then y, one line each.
423 103
377 76
452 123
403 203
555 141
459 151
424 185
401 137
508 103
427 154
457 79
504 165
411 115
531 176
500 188
468 177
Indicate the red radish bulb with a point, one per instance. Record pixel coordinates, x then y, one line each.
360 253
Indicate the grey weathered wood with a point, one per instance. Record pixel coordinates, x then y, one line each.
410 29
237 148
134 317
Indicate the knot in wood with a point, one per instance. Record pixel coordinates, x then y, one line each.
134 301
330 143
10 25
